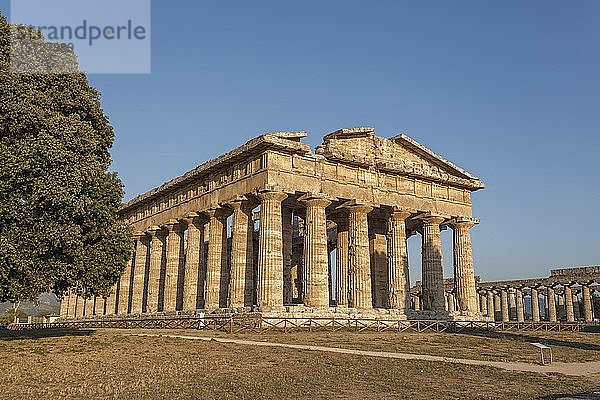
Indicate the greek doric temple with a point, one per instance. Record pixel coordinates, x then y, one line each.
276 228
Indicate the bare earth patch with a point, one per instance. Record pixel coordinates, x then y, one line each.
101 364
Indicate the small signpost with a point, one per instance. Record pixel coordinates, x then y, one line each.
543 347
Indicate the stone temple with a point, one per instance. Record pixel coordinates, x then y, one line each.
272 227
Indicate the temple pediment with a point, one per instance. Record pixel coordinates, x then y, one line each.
400 155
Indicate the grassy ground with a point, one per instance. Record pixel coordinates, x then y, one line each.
111 364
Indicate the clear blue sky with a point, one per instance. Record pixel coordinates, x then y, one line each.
508 90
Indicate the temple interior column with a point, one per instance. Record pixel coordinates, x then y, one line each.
560 306
497 307
520 306
551 304
379 262
399 282
464 273
432 279
139 273
192 261
587 303
125 286
569 312
287 231
490 303
512 304
270 257
504 305
154 271
576 309
242 272
359 269
417 302
451 302
341 261
216 264
316 255
535 305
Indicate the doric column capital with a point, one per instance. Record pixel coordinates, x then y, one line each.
138 235
355 206
243 204
154 231
172 225
463 222
192 219
276 195
398 213
315 200
218 212
431 219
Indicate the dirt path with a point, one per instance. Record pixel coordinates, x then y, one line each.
573 369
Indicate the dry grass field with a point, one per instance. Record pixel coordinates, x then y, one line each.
115 364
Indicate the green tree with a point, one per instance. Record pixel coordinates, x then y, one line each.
59 227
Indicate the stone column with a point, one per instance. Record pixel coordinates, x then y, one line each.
359 267
174 250
576 309
341 261
287 232
139 273
451 302
399 291
192 261
560 306
432 268
316 255
270 252
89 307
483 303
464 273
535 305
242 257
417 302
490 303
112 300
504 305
497 307
551 304
570 314
217 257
520 307
99 304
512 304
587 303
154 271
125 287
72 304
64 307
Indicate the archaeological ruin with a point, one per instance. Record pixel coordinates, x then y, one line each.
274 228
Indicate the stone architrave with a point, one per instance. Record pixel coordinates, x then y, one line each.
359 268
216 265
464 273
568 293
154 271
174 254
192 261
316 255
535 305
399 291
270 252
432 279
242 273
139 273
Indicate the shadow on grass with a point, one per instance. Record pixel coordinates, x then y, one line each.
576 396
521 337
6 334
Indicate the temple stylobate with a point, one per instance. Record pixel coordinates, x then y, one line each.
272 227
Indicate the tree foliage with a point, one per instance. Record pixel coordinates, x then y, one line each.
59 227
